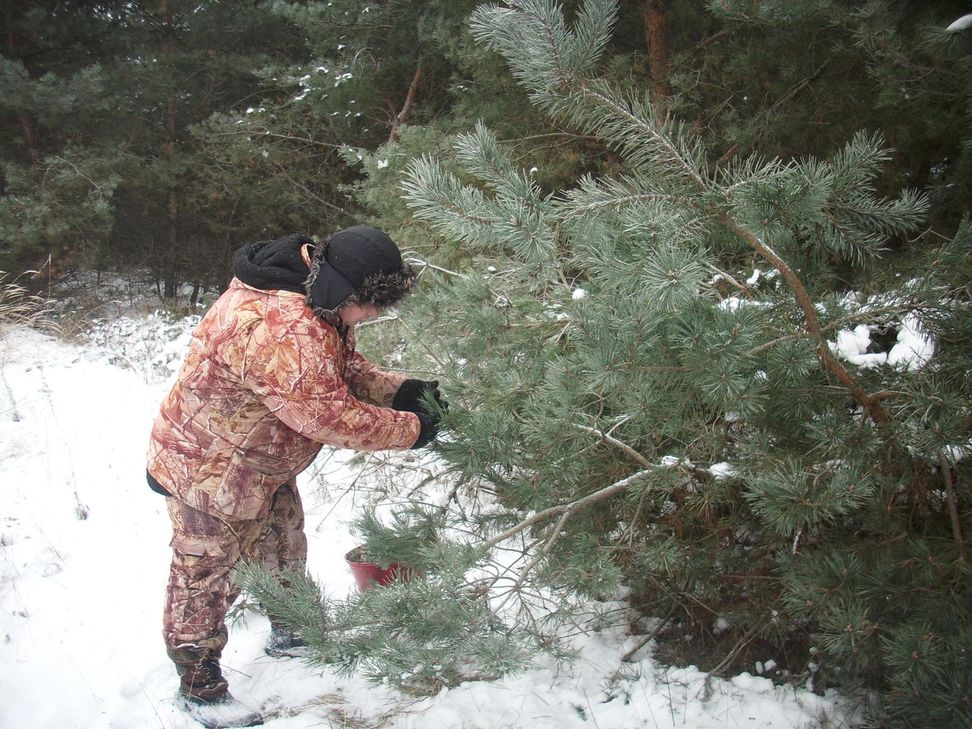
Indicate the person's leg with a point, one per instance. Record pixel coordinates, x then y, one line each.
281 546
204 551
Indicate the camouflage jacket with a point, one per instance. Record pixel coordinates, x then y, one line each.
266 382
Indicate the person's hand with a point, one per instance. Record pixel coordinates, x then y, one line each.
411 393
429 428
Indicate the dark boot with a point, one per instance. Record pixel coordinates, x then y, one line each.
201 680
284 643
203 695
222 713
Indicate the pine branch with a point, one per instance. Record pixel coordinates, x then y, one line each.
555 75
593 196
953 513
646 639
301 186
543 552
246 132
740 645
644 462
669 151
570 508
428 350
811 320
428 188
480 152
566 93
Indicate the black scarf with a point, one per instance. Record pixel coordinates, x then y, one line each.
273 265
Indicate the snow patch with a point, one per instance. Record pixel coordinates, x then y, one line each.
914 347
961 24
722 471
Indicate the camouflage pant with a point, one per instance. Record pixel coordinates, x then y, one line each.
205 549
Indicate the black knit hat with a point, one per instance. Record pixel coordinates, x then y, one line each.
358 265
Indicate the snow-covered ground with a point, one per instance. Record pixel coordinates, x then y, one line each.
84 560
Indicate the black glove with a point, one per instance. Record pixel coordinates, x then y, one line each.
411 393
429 423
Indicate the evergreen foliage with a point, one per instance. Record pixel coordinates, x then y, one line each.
419 635
167 134
58 174
631 405
99 167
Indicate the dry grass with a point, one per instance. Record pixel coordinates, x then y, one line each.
19 308
336 713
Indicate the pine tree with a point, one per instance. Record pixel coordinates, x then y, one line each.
99 163
647 389
786 79
58 174
187 61
292 156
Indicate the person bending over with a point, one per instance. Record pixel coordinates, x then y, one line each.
272 375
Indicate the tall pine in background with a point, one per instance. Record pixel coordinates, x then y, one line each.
98 163
651 385
184 62
58 171
290 158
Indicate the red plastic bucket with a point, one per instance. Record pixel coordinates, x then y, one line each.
367 574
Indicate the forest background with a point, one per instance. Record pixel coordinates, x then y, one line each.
586 190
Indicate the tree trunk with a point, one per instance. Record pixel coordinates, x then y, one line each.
657 55
172 201
172 252
30 137
401 116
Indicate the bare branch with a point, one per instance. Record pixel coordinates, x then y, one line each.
811 320
953 514
617 444
402 116
571 508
